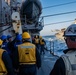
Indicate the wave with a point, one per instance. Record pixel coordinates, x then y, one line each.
54 44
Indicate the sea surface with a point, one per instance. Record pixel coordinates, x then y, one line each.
55 45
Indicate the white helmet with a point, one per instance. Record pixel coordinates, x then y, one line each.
70 31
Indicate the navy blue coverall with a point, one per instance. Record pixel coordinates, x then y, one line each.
8 63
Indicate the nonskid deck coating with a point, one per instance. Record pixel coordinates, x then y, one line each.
48 61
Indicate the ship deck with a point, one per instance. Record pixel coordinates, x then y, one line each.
48 61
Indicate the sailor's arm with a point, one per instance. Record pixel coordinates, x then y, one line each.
59 68
8 63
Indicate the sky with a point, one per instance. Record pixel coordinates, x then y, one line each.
58 18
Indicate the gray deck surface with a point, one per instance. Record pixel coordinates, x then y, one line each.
48 61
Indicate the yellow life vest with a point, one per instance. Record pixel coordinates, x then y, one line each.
3 70
27 53
41 42
36 41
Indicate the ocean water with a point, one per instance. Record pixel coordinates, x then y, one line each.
55 45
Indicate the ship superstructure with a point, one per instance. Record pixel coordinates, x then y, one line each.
30 11
5 17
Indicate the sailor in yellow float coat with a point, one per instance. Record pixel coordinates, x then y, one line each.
36 41
27 57
5 62
42 44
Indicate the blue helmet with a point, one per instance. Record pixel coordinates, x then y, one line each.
18 37
9 36
3 37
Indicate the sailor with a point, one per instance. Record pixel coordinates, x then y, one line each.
66 64
27 57
36 41
4 44
42 44
18 40
5 62
9 44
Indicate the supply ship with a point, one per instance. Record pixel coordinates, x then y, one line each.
29 11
